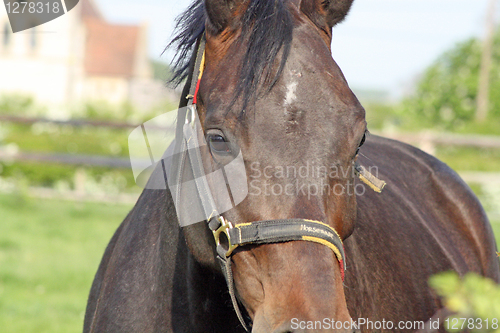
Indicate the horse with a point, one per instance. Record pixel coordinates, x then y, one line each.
270 86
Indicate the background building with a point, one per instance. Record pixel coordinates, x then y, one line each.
79 57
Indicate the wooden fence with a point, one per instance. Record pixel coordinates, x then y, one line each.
427 141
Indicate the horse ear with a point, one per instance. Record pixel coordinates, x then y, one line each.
221 13
326 12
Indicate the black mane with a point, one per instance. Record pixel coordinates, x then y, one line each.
267 28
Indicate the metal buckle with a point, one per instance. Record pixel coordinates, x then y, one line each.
228 248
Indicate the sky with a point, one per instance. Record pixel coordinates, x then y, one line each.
385 44
382 44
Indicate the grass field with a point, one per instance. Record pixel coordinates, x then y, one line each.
49 253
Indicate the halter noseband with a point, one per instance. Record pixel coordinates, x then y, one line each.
229 236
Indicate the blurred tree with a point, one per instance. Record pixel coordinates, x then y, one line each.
473 298
485 69
446 93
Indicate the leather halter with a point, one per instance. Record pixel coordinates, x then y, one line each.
227 235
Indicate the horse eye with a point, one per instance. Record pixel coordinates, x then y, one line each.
218 143
362 140
361 143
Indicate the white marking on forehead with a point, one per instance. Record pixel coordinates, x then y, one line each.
290 92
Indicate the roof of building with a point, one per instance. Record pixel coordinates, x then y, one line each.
110 48
89 9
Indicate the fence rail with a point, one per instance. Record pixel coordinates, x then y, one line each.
90 160
71 122
480 177
427 139
74 122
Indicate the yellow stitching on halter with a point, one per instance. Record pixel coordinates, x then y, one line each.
243 225
326 225
324 242
202 65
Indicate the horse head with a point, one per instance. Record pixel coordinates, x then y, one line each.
271 90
